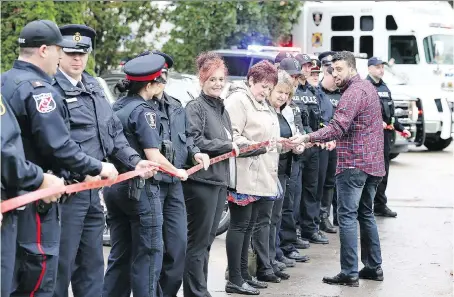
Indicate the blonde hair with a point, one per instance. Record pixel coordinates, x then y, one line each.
283 78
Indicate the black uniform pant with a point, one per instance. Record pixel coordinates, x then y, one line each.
174 233
326 180
8 251
287 232
310 204
380 197
38 243
261 235
204 204
135 259
81 259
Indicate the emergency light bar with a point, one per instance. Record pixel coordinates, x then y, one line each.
264 48
439 25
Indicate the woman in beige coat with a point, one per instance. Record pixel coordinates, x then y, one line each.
256 180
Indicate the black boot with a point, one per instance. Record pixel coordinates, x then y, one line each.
325 226
342 279
384 211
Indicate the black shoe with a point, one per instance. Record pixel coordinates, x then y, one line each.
245 289
288 262
384 211
282 275
318 238
372 274
269 278
301 244
325 226
295 255
342 279
279 265
255 283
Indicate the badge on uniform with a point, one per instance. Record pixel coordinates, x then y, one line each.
45 102
151 119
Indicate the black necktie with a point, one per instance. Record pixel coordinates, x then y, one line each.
80 85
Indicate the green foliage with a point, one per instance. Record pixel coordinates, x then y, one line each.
112 21
222 24
14 16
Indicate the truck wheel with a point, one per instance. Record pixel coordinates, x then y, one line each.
437 144
393 156
225 220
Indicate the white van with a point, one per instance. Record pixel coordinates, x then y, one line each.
417 35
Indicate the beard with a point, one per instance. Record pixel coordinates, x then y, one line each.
342 83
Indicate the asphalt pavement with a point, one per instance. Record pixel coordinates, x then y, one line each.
417 246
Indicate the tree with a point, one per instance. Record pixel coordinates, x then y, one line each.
15 15
219 24
112 21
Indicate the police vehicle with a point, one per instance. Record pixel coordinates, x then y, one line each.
418 36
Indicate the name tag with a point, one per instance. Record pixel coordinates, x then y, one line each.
70 100
383 94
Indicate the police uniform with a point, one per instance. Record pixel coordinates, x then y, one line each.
180 151
387 105
44 121
18 174
307 98
327 159
98 132
134 207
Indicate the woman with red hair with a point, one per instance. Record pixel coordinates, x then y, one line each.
205 191
257 184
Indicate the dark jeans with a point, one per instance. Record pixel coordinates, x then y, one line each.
238 240
381 200
8 251
355 195
326 180
310 204
261 235
287 232
204 205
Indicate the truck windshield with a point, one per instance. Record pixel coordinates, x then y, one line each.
439 49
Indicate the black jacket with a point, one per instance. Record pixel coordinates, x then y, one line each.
208 123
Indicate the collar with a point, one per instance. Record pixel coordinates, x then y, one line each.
71 80
215 102
23 65
336 91
65 83
379 83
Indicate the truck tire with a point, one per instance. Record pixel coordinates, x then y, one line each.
393 156
437 144
225 220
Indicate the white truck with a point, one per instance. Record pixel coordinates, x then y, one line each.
417 35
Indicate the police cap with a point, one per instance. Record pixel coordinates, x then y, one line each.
374 61
316 66
81 35
326 57
42 32
281 56
303 59
169 60
290 65
144 68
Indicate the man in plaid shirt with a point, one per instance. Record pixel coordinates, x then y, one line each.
357 125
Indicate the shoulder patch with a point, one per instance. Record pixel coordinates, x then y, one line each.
45 103
151 119
36 83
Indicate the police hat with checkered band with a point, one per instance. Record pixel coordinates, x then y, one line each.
144 68
82 35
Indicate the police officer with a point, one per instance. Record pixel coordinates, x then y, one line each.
328 156
134 207
18 174
43 118
179 150
390 123
307 97
98 132
289 242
